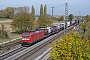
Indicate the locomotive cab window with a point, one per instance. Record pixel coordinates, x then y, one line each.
25 35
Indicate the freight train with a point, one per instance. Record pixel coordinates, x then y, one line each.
31 37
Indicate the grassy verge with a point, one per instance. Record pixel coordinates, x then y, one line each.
3 19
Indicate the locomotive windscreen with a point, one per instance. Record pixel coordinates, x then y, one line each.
26 35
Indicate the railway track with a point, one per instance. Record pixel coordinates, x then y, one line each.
12 52
44 56
9 46
22 53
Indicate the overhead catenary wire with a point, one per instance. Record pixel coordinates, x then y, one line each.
56 7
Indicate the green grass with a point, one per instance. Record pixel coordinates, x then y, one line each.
3 19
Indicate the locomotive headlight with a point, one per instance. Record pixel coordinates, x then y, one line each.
23 39
27 39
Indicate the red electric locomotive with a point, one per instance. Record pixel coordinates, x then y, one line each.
29 38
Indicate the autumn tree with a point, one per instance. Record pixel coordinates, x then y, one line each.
55 18
70 47
41 10
20 10
41 17
44 20
9 11
70 17
45 10
33 12
87 18
47 18
2 14
86 34
3 32
61 18
85 28
22 21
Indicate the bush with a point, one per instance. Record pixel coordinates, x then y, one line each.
72 47
3 33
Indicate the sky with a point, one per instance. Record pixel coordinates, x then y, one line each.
74 6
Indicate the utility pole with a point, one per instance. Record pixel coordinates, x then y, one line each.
66 18
52 14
